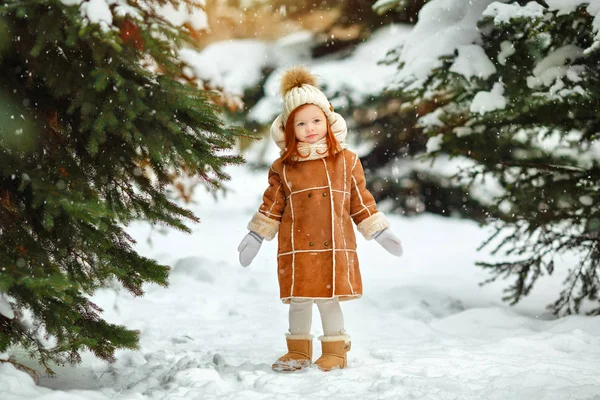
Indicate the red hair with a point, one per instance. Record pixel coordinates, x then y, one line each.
291 143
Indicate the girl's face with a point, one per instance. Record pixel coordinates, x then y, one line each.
310 124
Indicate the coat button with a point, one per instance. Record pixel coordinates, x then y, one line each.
324 194
309 195
311 244
326 243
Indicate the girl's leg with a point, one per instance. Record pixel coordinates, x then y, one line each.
299 340
300 316
334 343
331 316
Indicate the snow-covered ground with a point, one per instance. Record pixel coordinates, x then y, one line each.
424 329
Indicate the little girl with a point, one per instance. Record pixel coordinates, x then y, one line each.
316 189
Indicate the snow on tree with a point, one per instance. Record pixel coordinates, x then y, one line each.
98 117
343 42
513 91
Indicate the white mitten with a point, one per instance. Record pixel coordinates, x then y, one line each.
389 241
249 247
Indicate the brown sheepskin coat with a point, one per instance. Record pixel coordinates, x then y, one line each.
312 205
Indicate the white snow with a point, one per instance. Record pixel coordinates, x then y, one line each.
452 169
423 329
432 118
586 200
507 49
434 143
554 66
485 101
194 16
5 307
219 63
99 12
443 26
472 62
503 13
560 145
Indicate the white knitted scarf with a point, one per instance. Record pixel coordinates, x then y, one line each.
315 150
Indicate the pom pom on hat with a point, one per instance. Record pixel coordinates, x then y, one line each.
299 87
296 77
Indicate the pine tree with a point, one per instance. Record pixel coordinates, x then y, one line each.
530 125
407 187
97 117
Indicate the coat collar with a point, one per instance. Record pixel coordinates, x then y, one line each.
316 150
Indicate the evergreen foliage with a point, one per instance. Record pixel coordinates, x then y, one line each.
392 175
541 147
352 11
97 116
408 187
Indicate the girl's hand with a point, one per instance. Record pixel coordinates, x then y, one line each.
249 247
389 241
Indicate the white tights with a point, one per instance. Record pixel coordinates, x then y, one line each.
331 316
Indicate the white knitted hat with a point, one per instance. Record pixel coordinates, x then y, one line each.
299 87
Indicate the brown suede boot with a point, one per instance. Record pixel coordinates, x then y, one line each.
299 354
334 352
